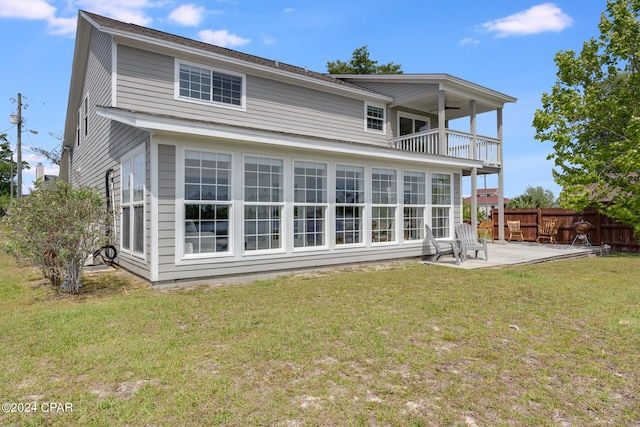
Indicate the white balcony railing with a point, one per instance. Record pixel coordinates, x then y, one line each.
458 145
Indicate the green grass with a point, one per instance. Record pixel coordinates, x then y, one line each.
402 344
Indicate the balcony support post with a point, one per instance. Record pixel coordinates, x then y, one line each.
442 136
474 171
500 177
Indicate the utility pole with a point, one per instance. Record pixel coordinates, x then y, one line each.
16 119
19 146
11 179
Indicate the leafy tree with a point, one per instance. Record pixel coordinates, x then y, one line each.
466 212
592 116
360 63
533 197
56 227
6 165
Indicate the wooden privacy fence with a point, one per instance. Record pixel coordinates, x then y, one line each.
604 230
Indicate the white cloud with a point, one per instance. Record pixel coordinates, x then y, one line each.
469 41
222 38
537 19
124 10
38 10
26 9
268 40
188 15
289 10
63 26
130 11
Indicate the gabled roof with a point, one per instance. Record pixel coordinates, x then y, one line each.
163 40
115 27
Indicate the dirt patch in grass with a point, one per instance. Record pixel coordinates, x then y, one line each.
122 390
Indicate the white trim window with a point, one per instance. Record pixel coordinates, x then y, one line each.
309 204
133 177
441 205
86 115
384 200
375 120
412 123
210 85
350 204
207 202
82 124
414 205
78 128
263 203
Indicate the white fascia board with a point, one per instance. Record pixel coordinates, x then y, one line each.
446 81
156 124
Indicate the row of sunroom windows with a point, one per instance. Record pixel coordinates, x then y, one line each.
208 206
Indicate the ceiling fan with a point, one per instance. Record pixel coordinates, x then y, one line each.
446 107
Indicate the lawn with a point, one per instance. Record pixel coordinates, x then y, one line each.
554 344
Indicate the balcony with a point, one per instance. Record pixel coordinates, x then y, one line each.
458 144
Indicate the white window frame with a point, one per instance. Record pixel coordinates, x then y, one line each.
131 203
79 127
280 204
384 199
439 231
177 96
419 205
86 115
322 204
413 117
383 119
182 211
361 204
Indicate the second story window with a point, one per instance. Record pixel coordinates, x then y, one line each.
374 118
210 85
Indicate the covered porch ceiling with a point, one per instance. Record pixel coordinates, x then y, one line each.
421 92
456 105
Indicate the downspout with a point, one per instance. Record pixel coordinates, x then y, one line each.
108 183
109 252
68 150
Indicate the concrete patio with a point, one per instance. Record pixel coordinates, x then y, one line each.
515 253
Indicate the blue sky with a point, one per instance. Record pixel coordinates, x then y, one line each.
506 46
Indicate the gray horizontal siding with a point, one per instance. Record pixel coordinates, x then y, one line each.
123 139
91 153
295 262
103 143
166 208
146 82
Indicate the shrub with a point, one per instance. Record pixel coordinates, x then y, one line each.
56 227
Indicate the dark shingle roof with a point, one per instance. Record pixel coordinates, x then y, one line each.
109 23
